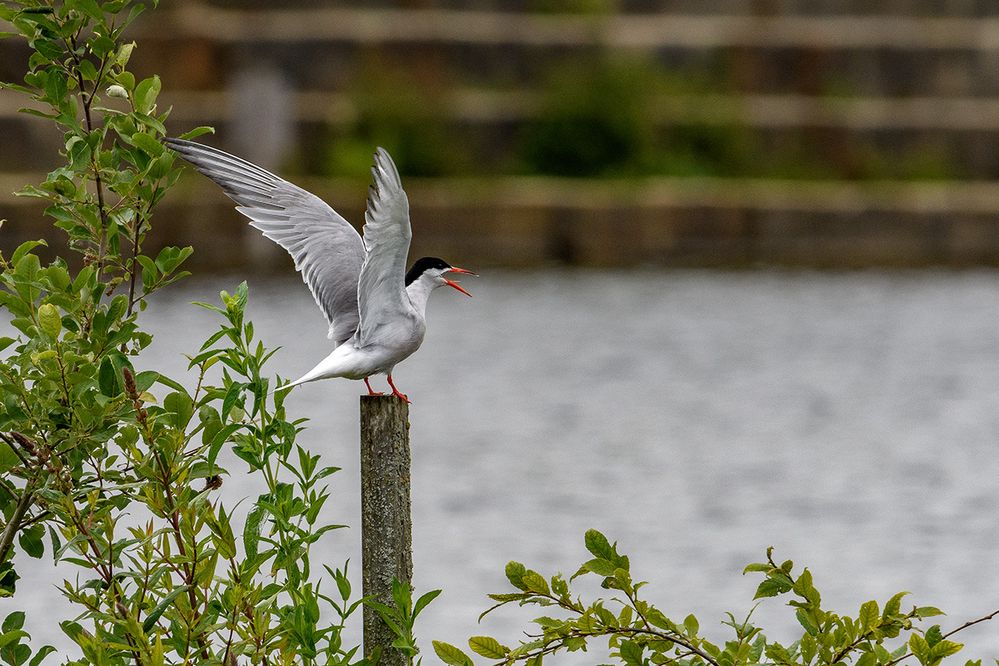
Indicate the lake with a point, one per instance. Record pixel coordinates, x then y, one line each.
850 420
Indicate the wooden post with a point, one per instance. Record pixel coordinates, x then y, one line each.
386 523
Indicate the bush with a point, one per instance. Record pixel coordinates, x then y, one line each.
113 465
637 633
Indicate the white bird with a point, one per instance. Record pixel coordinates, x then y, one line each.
375 308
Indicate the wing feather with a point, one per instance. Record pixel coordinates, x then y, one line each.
328 252
381 289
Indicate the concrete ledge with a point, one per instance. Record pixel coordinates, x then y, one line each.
664 222
653 30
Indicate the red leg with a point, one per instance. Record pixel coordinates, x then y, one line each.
396 392
371 391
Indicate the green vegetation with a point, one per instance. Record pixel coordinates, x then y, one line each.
638 634
108 464
600 116
595 120
113 467
405 112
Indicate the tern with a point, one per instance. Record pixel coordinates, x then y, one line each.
376 309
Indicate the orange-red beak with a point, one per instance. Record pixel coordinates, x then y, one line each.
455 285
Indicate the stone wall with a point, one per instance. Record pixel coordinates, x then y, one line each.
891 110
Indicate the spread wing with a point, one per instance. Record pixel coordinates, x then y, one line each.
381 289
327 251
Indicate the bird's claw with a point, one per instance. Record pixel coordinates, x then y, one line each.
397 393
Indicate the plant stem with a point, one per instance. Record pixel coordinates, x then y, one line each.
87 99
14 524
969 623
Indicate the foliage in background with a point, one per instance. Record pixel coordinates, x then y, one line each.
601 115
122 483
637 633
404 111
112 466
593 124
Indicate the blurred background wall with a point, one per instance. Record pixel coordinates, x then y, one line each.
723 133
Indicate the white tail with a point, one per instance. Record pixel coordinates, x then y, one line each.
310 376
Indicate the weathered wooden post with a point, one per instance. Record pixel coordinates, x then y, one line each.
386 523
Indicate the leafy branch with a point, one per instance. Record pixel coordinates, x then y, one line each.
90 434
637 633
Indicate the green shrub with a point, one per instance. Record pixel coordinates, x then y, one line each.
637 633
110 464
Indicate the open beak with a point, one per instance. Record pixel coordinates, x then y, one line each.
455 285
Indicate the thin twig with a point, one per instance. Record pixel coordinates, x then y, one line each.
13 525
969 623
87 99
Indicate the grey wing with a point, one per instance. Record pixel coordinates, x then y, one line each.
328 252
381 289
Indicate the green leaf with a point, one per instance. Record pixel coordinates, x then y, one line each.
43 652
145 379
145 94
763 567
181 406
198 131
161 607
599 566
535 582
770 588
869 616
945 648
12 637
107 378
894 604
808 647
806 621
122 57
656 617
231 398
149 271
691 625
147 144
49 320
451 655
31 540
488 647
251 530
8 458
919 647
424 600
867 659
25 248
13 621
928 611
597 544
515 574
631 653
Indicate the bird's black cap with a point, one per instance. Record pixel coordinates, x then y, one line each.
422 265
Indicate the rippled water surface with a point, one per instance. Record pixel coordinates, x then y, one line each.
851 421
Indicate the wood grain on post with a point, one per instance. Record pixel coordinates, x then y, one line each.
386 523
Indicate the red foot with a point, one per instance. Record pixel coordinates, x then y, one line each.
371 391
397 393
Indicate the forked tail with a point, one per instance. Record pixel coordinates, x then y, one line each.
310 376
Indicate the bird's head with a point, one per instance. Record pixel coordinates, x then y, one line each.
432 271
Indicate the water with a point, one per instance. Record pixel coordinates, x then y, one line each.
849 420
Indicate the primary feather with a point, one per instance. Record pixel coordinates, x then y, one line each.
327 250
376 309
